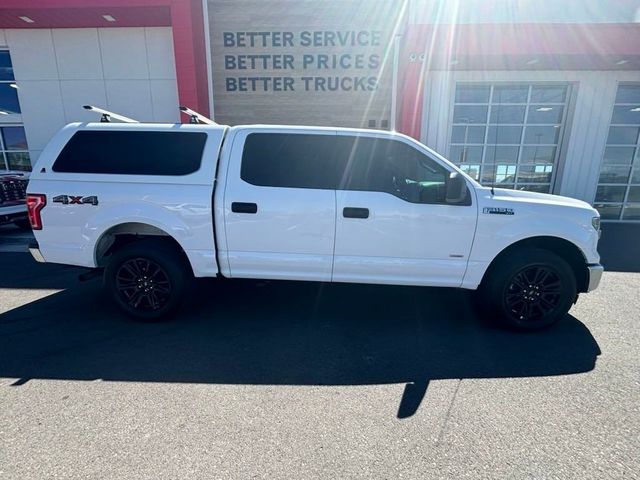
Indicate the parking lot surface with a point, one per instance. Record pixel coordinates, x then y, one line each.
307 380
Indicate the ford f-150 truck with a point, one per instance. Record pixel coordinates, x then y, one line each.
153 205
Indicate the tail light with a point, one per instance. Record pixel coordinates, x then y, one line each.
35 204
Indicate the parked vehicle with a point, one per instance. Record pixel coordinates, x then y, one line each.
13 199
154 205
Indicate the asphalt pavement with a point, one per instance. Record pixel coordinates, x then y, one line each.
14 239
307 380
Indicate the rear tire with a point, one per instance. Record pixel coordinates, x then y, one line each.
147 279
530 289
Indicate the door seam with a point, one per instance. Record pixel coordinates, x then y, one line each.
335 232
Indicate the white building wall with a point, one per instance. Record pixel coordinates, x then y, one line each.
595 92
127 70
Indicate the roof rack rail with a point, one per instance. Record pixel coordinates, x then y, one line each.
195 117
107 115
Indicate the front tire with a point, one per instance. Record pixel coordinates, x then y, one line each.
147 279
530 289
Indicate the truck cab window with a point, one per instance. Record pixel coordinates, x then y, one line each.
391 166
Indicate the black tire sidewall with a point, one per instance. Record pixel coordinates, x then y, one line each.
167 258
526 258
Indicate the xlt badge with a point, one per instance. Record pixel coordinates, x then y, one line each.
498 210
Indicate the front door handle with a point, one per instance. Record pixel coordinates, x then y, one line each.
244 207
355 212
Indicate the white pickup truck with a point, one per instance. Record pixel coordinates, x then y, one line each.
155 204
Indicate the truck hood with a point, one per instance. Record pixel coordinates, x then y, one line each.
539 198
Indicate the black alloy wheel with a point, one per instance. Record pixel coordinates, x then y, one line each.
143 284
527 289
533 293
148 279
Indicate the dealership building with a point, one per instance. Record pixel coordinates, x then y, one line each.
537 95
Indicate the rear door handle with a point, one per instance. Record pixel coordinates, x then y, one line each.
355 212
244 207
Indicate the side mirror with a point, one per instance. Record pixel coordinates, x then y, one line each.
456 188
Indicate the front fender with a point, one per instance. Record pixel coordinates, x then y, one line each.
497 232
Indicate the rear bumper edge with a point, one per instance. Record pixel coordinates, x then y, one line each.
34 249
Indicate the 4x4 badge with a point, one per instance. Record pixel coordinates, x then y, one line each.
76 200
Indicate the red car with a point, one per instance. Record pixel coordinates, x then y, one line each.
13 206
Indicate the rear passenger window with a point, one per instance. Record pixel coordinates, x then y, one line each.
132 152
291 160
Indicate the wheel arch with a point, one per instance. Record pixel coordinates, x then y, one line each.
120 235
562 247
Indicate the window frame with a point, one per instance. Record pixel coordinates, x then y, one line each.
634 164
560 146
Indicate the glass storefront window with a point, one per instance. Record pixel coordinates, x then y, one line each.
466 114
8 89
14 138
14 154
549 93
13 149
468 134
6 67
18 161
618 192
505 154
614 174
472 170
609 211
632 212
465 154
9 104
508 134
473 94
538 154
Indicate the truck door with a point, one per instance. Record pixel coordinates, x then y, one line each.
279 204
393 224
